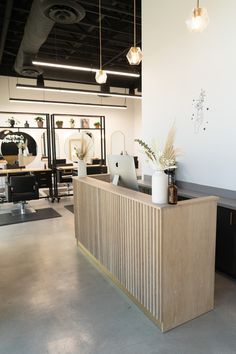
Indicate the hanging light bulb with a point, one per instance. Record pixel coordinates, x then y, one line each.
135 54
100 76
199 19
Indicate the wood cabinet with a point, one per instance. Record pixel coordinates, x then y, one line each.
162 256
226 241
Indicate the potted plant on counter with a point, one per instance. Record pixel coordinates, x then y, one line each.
59 123
39 121
161 160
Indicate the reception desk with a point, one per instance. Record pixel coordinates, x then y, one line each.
162 256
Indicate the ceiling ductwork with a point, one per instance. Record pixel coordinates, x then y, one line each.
43 15
63 12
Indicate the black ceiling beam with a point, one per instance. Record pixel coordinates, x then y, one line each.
6 21
104 28
90 36
110 8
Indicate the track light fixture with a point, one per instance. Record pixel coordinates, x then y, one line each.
101 76
92 105
77 91
40 81
198 20
81 68
135 54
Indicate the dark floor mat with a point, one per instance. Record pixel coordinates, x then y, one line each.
45 213
70 208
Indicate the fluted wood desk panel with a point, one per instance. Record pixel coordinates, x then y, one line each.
162 256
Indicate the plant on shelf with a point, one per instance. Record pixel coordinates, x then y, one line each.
59 123
12 122
39 121
97 125
72 123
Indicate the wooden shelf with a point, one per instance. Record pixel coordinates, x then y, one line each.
80 128
9 128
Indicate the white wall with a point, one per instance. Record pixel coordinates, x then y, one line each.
126 121
176 66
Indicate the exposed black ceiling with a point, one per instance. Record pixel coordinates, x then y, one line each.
76 44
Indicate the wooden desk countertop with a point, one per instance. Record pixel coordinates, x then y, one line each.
61 168
17 170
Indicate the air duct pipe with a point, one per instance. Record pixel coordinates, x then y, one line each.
42 17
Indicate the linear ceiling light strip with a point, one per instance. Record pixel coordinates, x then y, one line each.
71 90
92 105
81 68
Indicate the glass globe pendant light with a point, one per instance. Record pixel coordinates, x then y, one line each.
199 19
101 75
135 54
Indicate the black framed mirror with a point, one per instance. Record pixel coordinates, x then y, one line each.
17 148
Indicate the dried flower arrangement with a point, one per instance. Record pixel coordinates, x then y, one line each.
162 159
82 150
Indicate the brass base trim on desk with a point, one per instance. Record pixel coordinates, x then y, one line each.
108 274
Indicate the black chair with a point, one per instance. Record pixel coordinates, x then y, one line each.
19 190
65 176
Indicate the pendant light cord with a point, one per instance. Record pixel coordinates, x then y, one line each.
100 34
134 23
198 4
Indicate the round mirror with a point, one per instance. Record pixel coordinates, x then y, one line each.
77 143
117 142
18 148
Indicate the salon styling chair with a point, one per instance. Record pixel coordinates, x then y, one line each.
21 188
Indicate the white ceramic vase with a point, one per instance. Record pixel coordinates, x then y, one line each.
159 187
82 168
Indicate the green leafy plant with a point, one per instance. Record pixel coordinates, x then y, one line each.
72 121
59 123
39 119
12 121
97 124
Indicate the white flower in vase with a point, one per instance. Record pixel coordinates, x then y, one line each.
161 160
81 152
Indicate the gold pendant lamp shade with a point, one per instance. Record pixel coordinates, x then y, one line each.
198 20
101 75
135 54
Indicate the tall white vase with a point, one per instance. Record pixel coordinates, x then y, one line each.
82 168
159 187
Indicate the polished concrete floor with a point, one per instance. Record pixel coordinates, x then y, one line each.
52 300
